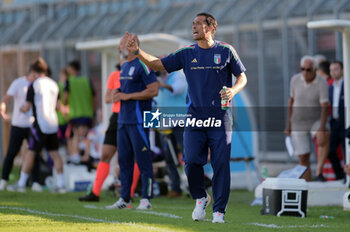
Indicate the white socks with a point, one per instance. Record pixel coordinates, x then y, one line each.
23 179
60 181
75 158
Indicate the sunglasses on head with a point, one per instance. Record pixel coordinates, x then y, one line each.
306 69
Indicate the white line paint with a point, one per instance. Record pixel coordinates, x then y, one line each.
32 211
265 225
139 211
287 226
160 214
132 224
93 207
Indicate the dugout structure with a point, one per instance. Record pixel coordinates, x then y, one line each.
269 35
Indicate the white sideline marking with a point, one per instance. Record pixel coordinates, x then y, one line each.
83 218
160 214
57 214
139 211
290 226
93 207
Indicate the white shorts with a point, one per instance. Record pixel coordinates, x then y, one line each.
301 139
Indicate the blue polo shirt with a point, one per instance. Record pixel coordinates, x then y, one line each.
207 71
134 77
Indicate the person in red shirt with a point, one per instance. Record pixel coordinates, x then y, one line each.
109 147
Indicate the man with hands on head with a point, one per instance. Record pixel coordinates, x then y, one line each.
138 84
208 66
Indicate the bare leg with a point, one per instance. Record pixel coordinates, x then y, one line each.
108 152
57 161
305 161
28 161
323 150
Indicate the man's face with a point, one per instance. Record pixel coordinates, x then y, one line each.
71 71
308 71
31 76
200 28
336 71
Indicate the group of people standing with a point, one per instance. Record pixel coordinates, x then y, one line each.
316 111
208 66
208 63
36 95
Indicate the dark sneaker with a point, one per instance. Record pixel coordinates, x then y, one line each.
90 197
320 178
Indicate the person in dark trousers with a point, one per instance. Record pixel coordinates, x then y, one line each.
42 98
138 85
337 117
208 66
20 127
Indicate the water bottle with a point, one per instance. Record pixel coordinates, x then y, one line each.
326 217
225 103
156 189
264 173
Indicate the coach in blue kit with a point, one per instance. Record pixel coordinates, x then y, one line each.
138 84
208 66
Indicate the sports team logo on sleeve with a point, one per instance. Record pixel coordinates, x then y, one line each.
131 70
217 58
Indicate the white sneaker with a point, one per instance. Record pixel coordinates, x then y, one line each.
198 213
218 217
120 204
16 188
3 185
61 190
36 187
144 205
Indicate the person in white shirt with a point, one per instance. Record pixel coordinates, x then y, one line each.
307 116
42 97
20 126
337 117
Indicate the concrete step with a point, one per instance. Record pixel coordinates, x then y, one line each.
326 193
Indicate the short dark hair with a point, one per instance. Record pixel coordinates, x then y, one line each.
65 72
39 66
338 62
75 64
210 20
324 66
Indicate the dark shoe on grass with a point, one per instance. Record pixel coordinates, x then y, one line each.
90 197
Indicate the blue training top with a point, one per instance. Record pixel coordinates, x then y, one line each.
134 77
207 71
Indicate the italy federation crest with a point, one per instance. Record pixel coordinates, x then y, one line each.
131 70
217 58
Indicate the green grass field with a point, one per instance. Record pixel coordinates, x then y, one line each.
53 212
